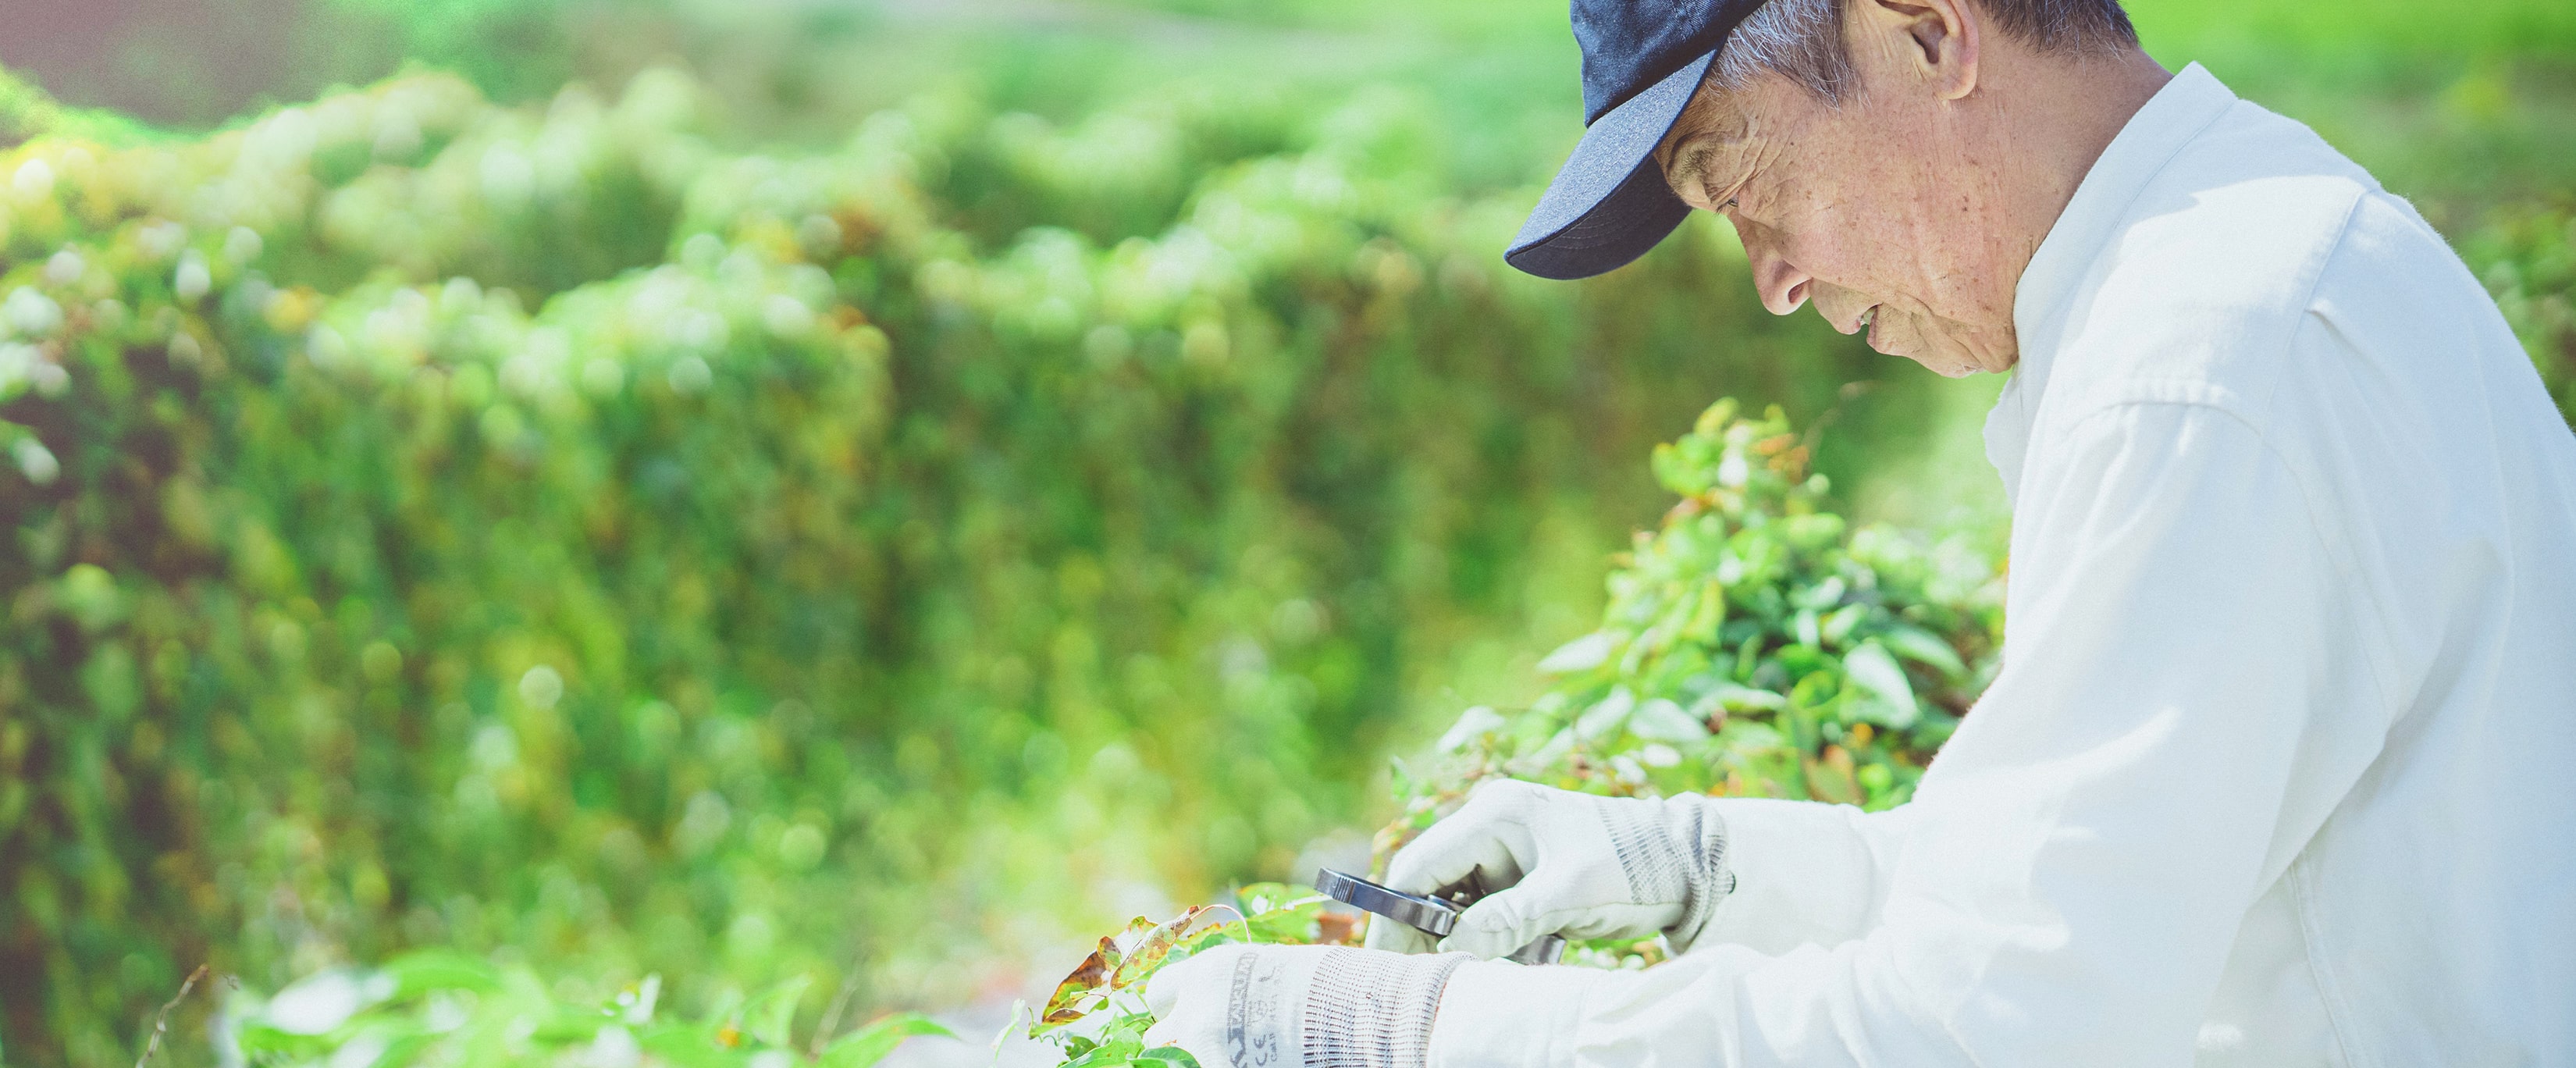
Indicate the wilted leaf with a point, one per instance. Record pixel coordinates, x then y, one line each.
1338 928
1149 954
1137 929
1088 977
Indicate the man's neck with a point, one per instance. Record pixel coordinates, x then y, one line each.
2058 117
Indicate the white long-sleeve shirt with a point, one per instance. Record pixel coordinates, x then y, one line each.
2277 770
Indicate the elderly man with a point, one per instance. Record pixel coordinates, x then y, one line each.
2273 772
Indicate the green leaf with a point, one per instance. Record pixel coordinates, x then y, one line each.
437 969
769 1016
690 1046
1254 899
1874 671
1472 724
1582 654
1661 720
1735 698
1285 926
1837 627
1807 630
256 1038
1923 647
1707 614
1605 718
868 1045
1554 749
1677 473
1114 1049
1173 1056
1744 737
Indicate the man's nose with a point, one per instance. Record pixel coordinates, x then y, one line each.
1783 287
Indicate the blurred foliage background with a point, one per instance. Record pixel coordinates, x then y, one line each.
850 491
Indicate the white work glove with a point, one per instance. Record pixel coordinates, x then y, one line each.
1299 1006
1557 862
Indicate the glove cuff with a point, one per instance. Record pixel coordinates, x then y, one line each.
1373 1010
1697 838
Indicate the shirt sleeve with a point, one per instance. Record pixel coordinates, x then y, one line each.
2081 855
1806 872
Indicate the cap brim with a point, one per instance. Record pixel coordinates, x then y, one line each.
1609 203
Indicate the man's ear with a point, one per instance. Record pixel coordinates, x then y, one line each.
1941 38
1706 127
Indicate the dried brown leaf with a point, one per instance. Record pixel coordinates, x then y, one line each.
1088 977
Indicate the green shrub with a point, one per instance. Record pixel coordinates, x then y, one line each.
443 1008
1754 645
755 567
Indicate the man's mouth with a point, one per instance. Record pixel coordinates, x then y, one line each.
1866 325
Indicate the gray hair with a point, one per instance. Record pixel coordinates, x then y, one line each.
1802 40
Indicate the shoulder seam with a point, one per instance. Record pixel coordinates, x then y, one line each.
2337 556
2303 311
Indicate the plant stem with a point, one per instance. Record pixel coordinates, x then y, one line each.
161 1022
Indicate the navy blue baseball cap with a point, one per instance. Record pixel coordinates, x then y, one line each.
1642 63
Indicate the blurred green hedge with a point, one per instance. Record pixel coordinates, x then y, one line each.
534 529
2528 256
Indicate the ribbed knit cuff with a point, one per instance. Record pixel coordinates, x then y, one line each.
1374 1010
1673 853
1700 833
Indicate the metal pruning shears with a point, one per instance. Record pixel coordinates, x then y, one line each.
1434 916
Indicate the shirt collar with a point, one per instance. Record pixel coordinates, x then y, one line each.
2092 220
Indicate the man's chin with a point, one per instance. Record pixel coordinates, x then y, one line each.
1944 352
1948 361
1945 364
